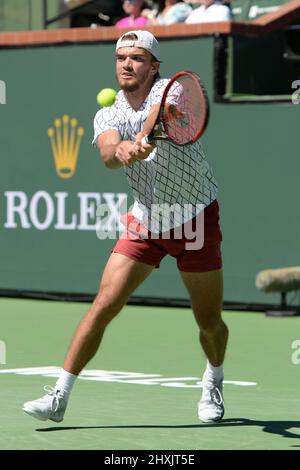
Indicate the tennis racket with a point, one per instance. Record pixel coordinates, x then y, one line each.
184 111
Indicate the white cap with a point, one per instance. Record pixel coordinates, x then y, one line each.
145 40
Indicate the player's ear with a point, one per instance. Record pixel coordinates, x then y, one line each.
155 67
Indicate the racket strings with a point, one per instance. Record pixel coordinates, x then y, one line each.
184 110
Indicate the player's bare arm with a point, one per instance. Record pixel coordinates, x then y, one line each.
146 148
150 121
107 144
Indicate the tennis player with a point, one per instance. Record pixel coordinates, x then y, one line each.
161 175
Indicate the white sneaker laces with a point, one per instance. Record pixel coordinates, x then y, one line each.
56 394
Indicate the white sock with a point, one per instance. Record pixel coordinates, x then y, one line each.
65 381
214 373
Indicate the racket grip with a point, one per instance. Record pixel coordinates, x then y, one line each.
145 140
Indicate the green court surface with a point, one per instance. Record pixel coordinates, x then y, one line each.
141 389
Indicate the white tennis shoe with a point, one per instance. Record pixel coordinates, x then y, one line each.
51 406
211 405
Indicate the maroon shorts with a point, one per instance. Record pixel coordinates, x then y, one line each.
198 254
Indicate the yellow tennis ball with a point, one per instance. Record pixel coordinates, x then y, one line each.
106 97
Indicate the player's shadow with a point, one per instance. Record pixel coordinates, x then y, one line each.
280 428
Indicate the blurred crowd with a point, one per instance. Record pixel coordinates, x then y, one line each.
136 13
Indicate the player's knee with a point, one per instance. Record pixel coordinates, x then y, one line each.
105 309
210 325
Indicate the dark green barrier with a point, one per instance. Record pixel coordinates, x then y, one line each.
49 243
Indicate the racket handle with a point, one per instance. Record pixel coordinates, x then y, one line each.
145 140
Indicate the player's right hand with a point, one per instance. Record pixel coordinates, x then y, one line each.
127 152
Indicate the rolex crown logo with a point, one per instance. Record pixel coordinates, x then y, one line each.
65 141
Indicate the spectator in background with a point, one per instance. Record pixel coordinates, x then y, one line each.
170 12
211 11
133 9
